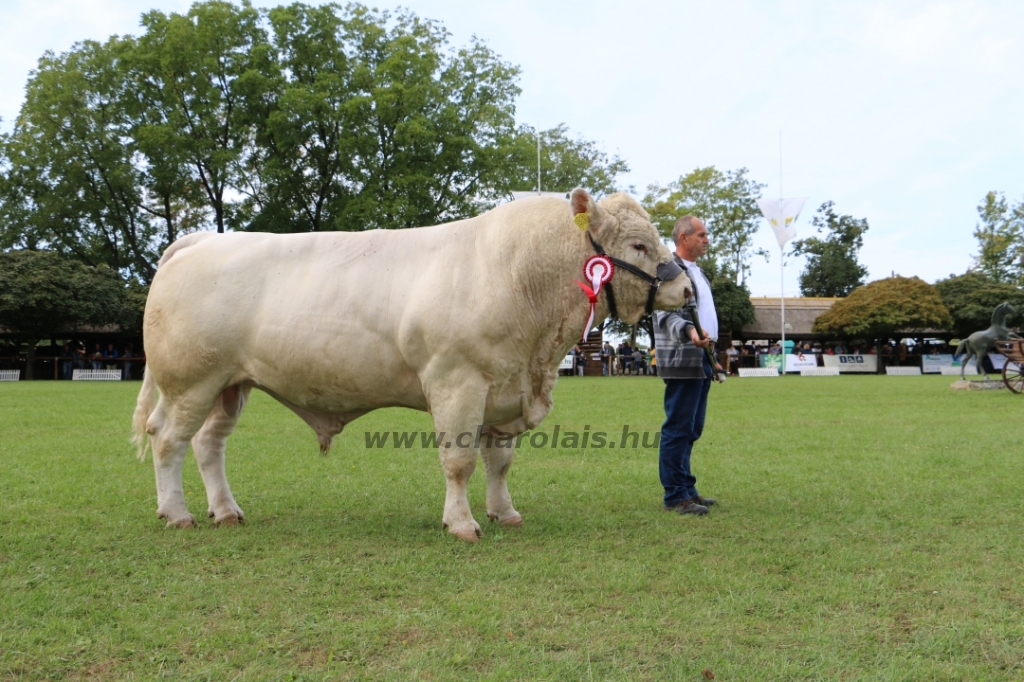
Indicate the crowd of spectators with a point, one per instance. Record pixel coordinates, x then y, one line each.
618 360
77 355
625 360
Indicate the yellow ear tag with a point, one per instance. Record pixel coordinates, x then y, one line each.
582 221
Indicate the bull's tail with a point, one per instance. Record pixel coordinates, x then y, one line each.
144 407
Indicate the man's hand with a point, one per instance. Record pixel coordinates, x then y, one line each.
698 341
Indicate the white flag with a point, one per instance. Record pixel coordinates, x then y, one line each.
781 215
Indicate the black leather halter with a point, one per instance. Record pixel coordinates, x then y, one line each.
655 282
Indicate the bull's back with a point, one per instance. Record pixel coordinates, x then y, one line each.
330 321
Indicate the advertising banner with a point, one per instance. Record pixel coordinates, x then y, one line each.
797 361
767 361
852 363
567 362
933 364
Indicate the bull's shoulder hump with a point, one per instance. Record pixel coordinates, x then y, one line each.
183 243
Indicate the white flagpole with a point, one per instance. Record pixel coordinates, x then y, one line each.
538 159
782 267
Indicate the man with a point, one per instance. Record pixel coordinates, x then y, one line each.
625 354
684 366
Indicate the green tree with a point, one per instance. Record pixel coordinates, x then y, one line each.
377 122
299 173
1000 236
732 303
726 202
832 268
436 123
566 162
43 293
72 181
884 307
201 71
971 298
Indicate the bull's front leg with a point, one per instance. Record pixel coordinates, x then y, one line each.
497 460
457 415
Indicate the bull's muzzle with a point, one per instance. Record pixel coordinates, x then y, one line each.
668 271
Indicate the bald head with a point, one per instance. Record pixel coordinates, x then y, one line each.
690 237
685 226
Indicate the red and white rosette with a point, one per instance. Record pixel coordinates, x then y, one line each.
598 270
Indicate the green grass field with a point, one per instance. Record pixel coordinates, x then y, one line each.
869 529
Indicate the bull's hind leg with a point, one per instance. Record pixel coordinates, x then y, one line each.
170 428
497 460
209 445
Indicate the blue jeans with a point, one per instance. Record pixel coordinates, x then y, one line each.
686 402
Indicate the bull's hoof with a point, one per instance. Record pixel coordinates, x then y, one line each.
229 520
471 534
468 535
511 522
184 522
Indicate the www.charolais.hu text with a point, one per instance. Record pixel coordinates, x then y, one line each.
557 438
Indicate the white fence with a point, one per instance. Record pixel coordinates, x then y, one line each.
819 372
10 375
96 375
759 371
903 371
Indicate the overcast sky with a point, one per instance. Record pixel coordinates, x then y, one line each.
904 113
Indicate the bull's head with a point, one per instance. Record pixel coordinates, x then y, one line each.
620 227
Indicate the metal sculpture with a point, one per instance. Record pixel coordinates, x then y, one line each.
978 344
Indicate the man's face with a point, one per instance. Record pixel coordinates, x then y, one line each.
692 246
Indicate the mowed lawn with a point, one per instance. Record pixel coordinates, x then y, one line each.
870 528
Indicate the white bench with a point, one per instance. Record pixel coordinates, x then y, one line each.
903 371
759 372
971 369
819 372
96 375
10 375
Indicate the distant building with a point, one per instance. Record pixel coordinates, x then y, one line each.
800 316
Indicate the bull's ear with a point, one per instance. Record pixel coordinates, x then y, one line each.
584 208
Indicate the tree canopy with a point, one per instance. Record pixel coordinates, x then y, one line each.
290 119
732 303
1000 236
971 298
566 162
43 293
883 308
832 268
726 202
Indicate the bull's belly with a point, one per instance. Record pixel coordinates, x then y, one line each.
338 387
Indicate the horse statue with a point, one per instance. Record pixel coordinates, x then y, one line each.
978 344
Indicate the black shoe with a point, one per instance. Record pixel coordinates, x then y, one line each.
688 507
706 501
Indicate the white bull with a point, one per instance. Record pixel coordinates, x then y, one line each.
467 320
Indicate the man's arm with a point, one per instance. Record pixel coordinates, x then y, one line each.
679 327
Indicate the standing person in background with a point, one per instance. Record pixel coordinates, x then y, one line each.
67 361
126 367
683 365
625 354
606 358
110 355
